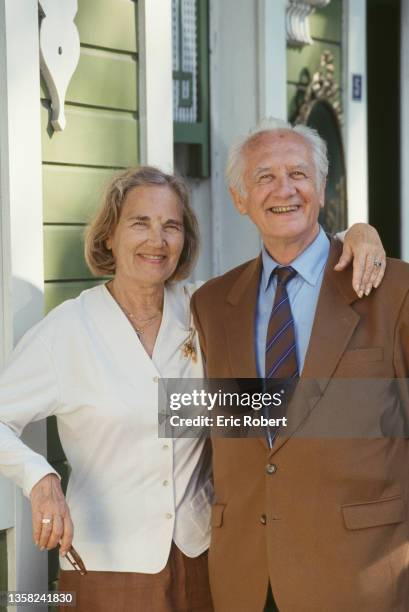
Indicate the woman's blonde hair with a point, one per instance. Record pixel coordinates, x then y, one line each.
99 258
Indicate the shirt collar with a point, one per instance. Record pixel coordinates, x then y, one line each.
308 264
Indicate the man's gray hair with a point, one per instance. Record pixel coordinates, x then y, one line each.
235 161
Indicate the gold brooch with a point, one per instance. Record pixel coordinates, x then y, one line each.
188 348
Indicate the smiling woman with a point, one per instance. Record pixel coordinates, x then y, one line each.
156 186
148 239
146 234
137 507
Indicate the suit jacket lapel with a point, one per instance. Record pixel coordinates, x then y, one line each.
334 324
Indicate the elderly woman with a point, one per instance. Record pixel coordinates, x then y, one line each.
140 505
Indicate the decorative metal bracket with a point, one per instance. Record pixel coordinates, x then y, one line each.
59 52
297 20
321 87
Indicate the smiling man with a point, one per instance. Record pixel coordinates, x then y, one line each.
283 191
314 524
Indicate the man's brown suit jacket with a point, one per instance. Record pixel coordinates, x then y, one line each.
328 525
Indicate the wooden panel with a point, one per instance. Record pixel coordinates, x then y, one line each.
309 57
63 253
55 293
3 563
108 23
326 23
91 137
103 78
72 194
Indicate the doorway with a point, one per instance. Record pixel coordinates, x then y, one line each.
384 126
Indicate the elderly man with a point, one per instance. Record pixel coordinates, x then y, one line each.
321 523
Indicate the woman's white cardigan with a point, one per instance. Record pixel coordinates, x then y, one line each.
130 492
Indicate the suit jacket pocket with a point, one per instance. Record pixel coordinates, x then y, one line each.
385 511
217 515
363 355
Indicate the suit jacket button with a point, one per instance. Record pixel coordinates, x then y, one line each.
263 519
271 468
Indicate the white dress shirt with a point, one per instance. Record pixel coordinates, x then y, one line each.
130 493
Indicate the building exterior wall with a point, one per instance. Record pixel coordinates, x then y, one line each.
100 137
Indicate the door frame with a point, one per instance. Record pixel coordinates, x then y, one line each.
404 57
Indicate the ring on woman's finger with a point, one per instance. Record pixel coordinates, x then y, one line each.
46 520
377 263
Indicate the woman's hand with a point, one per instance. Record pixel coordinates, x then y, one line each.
48 502
363 245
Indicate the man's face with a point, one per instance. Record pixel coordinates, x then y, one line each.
282 197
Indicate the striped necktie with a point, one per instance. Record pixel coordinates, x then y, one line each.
281 355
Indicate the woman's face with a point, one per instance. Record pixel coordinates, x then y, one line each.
149 237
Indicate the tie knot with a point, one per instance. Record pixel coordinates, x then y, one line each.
285 274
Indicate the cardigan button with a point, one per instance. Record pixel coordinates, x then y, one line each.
263 519
271 468
155 379
168 515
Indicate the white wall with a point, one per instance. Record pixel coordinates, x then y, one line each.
405 129
272 58
248 81
155 83
21 237
355 126
201 201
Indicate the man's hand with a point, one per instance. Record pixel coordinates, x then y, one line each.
48 502
363 246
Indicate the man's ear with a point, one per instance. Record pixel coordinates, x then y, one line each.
238 200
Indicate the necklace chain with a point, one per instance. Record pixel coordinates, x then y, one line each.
148 322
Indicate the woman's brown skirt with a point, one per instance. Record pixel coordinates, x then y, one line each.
182 586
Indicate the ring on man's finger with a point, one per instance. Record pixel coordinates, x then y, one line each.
46 520
377 263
